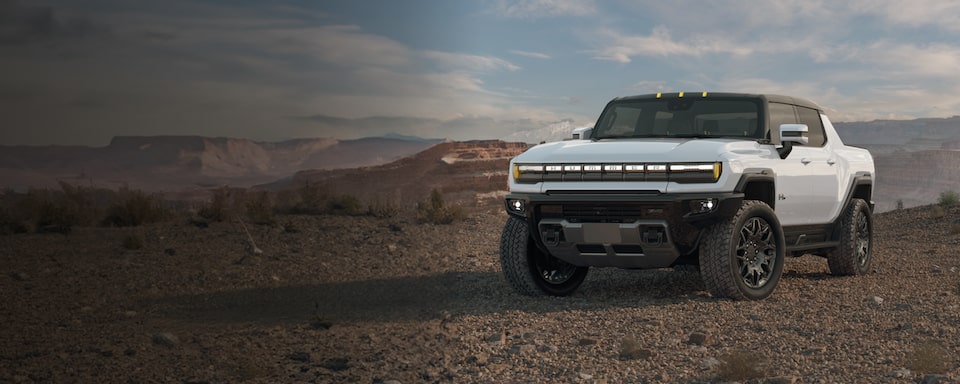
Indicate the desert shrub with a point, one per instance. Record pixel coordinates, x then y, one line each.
217 209
928 357
133 208
312 199
50 212
955 229
949 198
79 201
436 211
259 208
9 224
344 205
937 211
741 366
383 209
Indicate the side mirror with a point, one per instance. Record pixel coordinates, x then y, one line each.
794 133
582 133
790 134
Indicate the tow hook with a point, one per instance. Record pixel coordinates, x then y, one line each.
653 236
551 237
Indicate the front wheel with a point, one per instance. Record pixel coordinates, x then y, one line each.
742 257
852 256
529 270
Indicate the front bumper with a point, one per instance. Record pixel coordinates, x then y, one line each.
626 230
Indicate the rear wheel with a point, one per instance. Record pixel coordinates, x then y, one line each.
529 270
853 256
742 257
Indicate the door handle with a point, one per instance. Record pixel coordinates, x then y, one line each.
831 161
805 161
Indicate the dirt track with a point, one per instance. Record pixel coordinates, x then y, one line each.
343 299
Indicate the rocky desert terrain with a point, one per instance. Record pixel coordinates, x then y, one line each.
360 299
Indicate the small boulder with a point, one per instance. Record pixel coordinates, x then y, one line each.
166 339
699 338
302 357
875 300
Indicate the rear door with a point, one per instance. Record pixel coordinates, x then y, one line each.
820 164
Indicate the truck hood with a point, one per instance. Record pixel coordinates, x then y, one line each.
635 150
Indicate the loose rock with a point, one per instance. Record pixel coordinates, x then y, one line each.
166 339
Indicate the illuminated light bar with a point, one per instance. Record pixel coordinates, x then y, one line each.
684 173
681 94
657 167
659 95
691 168
613 168
704 94
592 168
530 168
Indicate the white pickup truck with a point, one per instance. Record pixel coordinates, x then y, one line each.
729 182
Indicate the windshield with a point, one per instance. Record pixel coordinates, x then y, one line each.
680 118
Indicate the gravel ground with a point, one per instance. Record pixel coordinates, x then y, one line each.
367 300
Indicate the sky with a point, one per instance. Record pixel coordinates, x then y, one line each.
79 72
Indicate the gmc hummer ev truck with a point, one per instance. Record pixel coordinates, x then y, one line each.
730 183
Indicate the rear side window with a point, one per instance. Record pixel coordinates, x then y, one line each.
811 118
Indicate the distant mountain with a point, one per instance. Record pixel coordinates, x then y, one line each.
916 160
176 162
453 167
397 136
884 136
558 131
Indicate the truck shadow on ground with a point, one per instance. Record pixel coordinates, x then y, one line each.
424 297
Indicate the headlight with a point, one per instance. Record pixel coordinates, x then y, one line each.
695 173
528 173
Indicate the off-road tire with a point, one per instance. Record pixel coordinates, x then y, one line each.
853 255
524 264
730 256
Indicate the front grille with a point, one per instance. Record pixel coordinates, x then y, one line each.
602 211
612 212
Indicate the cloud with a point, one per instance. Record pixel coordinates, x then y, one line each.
535 55
32 23
621 48
942 14
225 72
936 60
532 9
467 62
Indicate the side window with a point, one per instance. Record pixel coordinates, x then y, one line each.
811 118
780 114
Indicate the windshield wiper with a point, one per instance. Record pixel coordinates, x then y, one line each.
595 138
694 136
